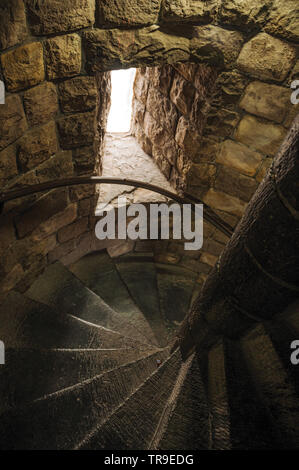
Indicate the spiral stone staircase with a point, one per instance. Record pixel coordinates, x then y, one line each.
81 366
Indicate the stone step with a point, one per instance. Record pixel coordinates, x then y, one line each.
273 385
61 419
250 427
189 426
218 398
98 272
29 324
33 373
176 286
138 272
133 423
59 288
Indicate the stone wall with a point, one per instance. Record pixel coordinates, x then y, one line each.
51 52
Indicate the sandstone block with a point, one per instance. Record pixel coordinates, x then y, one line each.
162 109
55 223
267 101
84 160
283 20
239 157
23 67
8 165
266 58
73 230
259 135
37 146
12 23
189 11
127 12
238 13
224 202
47 206
77 130
227 44
58 166
53 16
231 182
78 94
202 174
63 56
12 121
41 103
113 49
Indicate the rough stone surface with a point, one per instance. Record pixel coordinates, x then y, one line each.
24 66
266 58
76 130
226 43
182 94
46 207
187 138
283 20
8 165
127 13
202 174
12 23
78 94
224 202
63 56
58 166
261 136
73 231
48 16
231 182
267 101
113 49
12 121
41 103
84 160
190 11
239 157
36 146
240 14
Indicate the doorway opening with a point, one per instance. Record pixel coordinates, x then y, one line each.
120 114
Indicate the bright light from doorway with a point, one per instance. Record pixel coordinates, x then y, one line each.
119 119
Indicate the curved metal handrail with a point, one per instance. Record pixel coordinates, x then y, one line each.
209 214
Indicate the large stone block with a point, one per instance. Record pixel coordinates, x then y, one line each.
73 231
233 183
126 13
47 206
24 66
63 56
58 166
12 121
78 94
202 174
267 101
140 87
12 23
261 136
223 44
41 103
77 130
224 202
8 165
239 157
284 20
113 49
188 11
241 15
267 58
36 146
52 225
160 77
182 94
54 16
84 160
